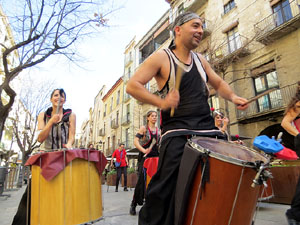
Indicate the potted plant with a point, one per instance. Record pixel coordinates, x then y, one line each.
112 177
131 177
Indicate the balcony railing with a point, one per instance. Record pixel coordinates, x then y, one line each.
127 97
126 119
280 23
128 60
196 4
274 101
206 28
114 124
234 47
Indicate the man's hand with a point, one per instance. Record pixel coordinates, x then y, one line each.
240 102
171 100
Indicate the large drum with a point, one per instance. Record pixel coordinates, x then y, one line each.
221 191
73 196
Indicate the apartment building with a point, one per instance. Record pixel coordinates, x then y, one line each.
111 132
130 106
254 46
97 121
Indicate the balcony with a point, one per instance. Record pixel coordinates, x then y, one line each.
126 119
102 132
231 51
128 60
278 24
206 29
275 101
127 97
196 4
114 124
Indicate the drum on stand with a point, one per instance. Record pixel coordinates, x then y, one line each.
72 197
227 197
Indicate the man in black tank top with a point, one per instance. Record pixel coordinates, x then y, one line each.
191 116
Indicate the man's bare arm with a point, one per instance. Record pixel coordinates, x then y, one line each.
222 87
151 68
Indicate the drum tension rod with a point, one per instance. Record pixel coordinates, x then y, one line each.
262 175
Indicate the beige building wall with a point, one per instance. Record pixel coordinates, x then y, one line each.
262 39
112 111
97 118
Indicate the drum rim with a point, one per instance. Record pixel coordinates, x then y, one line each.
224 158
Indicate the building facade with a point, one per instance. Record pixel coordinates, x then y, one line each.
253 46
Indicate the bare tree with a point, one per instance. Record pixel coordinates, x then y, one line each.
42 29
33 99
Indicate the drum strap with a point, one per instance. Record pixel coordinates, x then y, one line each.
191 158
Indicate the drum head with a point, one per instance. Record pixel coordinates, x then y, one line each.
227 151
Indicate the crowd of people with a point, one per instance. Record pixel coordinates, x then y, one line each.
192 117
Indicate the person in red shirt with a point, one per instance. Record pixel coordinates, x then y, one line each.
120 164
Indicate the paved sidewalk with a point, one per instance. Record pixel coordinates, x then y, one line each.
116 209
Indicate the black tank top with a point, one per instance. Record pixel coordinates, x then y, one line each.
193 111
154 150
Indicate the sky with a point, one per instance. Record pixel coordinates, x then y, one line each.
104 55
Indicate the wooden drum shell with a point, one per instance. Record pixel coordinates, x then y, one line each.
227 198
72 197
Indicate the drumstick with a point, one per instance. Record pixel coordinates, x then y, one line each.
177 84
151 145
258 96
58 105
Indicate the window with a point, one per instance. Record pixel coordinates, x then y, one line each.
213 102
117 118
180 9
206 55
108 142
234 41
229 6
118 97
127 137
145 120
111 103
263 83
282 12
129 73
105 107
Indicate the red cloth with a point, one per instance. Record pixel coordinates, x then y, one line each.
151 165
52 162
117 154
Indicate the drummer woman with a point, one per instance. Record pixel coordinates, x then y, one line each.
54 121
142 141
221 122
291 123
57 125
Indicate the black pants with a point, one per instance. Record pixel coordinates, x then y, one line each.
24 208
160 197
294 211
121 170
139 190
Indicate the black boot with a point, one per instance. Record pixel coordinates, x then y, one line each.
132 210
